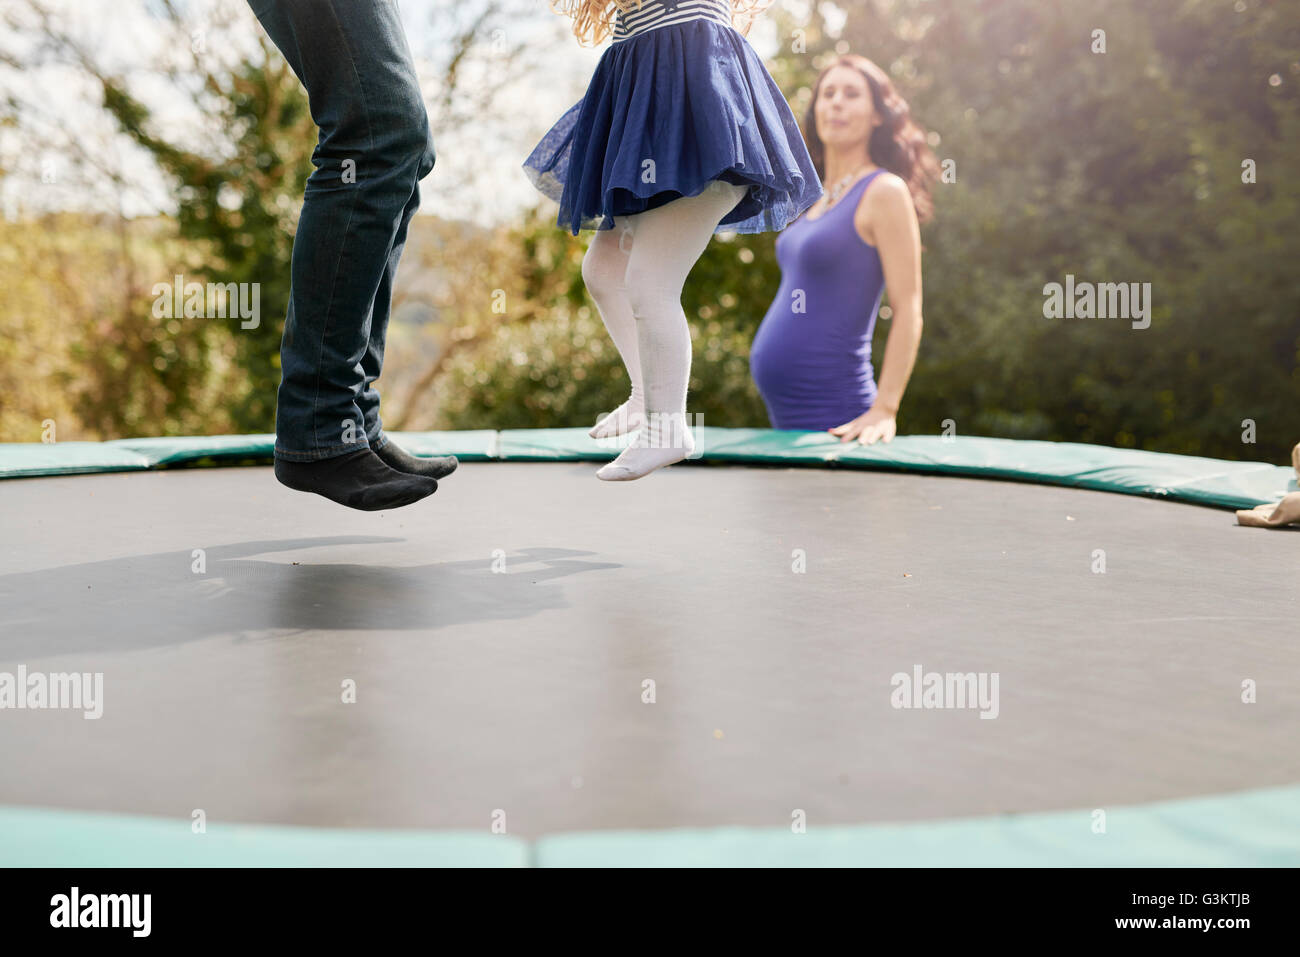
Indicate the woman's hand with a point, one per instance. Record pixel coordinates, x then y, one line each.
875 423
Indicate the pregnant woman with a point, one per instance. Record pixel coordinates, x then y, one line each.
811 356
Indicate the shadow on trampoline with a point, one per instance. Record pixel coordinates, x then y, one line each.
170 598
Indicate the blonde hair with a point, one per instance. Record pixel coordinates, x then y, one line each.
593 20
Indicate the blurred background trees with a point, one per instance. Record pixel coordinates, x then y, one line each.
1123 166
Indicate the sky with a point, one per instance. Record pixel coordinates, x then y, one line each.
61 106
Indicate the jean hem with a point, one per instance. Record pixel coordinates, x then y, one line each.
329 452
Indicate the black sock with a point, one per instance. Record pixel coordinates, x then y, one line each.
358 480
434 468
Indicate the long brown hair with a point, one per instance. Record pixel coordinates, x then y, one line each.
593 20
898 144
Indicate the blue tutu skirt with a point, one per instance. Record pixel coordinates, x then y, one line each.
696 99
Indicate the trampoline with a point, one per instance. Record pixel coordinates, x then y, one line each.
553 670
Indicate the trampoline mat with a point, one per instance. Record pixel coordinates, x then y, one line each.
502 637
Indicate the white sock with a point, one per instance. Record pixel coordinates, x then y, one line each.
604 269
628 417
665 439
668 242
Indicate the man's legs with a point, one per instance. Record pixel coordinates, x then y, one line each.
352 58
372 362
374 146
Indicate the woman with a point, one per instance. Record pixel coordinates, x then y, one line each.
811 356
682 133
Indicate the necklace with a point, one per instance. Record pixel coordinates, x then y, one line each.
838 189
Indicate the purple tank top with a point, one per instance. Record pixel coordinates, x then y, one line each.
811 356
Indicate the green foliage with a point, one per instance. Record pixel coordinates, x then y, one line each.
78 342
1117 167
237 210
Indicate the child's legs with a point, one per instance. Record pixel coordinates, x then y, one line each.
604 268
667 242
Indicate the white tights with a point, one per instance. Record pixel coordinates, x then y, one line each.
635 273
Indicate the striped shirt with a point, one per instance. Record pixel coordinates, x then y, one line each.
661 13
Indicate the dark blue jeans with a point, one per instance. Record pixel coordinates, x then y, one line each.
374 147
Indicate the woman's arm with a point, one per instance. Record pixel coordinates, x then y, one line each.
889 218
